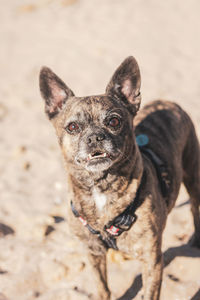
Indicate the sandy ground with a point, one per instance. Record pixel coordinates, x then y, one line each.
83 41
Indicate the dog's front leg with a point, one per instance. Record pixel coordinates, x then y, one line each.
99 265
152 274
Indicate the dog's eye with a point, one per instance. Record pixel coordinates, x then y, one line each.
73 126
114 122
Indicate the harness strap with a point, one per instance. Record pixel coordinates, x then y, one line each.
127 218
161 170
109 242
82 220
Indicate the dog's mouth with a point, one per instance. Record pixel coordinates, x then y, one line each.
97 155
98 160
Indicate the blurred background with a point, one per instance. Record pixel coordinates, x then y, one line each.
84 41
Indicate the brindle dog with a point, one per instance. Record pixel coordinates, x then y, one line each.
109 171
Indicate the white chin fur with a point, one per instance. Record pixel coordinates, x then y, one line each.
98 167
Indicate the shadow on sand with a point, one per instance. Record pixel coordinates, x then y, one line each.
185 251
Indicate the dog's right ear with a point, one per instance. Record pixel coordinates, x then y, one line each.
54 91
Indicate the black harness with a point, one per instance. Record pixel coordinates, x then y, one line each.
127 218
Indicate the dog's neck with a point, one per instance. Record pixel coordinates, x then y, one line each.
115 188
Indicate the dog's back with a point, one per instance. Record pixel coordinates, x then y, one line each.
171 135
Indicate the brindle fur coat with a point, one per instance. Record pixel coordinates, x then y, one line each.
102 187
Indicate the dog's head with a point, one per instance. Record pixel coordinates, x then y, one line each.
95 132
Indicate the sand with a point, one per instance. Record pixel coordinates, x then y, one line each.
84 41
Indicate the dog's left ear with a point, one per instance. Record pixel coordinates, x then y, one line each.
125 83
54 91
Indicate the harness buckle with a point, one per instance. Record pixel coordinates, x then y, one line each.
83 221
112 230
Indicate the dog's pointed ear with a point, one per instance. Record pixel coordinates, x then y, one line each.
54 91
125 83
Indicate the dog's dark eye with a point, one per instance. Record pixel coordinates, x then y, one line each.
114 122
73 126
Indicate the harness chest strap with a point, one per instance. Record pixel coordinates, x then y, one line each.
118 225
108 242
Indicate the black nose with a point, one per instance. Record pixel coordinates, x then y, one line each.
95 137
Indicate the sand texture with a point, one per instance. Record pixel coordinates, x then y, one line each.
84 41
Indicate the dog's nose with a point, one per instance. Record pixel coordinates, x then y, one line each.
95 137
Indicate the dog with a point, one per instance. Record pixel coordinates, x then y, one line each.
124 169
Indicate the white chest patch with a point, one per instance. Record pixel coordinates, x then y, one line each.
99 199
